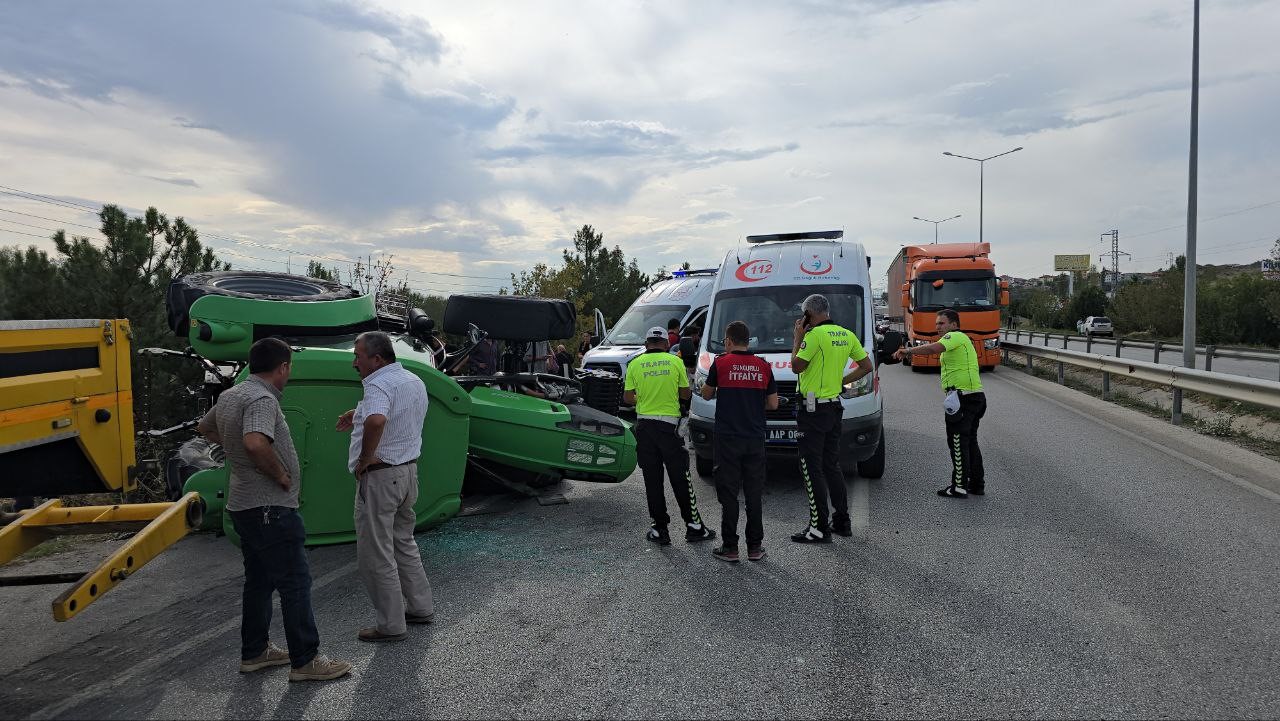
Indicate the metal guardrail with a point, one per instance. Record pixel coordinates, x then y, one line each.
1223 385
1208 351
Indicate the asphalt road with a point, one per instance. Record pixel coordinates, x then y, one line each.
1264 369
1118 567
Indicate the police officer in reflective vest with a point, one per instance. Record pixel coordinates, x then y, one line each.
964 403
655 384
820 357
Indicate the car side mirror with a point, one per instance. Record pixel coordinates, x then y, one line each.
892 342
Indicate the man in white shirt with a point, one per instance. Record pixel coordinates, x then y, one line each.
386 438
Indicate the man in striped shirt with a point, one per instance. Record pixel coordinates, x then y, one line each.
386 438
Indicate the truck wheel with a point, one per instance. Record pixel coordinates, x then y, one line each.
873 467
919 369
706 466
986 369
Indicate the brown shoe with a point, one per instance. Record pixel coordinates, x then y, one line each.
273 656
321 668
415 618
373 635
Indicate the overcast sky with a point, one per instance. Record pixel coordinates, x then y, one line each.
474 138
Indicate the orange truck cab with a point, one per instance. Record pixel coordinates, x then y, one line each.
924 279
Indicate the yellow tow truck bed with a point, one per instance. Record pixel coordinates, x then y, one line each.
66 428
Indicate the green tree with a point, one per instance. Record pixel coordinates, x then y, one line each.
1237 309
591 276
316 269
607 280
1038 305
1154 307
1088 300
127 276
30 284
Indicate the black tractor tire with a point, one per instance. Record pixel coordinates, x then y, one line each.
511 317
262 285
873 467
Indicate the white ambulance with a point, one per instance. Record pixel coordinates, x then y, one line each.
684 297
763 284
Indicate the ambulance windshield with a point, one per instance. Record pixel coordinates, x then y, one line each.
770 313
640 318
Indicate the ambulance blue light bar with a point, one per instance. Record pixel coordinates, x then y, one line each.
812 235
699 271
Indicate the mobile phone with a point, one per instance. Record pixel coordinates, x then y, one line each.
807 322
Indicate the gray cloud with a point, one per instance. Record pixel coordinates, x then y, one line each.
338 134
184 182
415 39
628 138
714 216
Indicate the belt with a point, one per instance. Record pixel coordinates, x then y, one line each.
960 392
834 399
383 466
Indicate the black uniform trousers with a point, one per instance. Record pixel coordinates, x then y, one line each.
739 467
659 447
820 433
962 442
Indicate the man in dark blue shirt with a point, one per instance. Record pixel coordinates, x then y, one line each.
743 386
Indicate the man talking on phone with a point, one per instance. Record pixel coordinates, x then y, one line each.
820 355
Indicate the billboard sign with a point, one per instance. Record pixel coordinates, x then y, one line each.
1071 262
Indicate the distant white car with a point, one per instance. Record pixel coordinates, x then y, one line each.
1095 325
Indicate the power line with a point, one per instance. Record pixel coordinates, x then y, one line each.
45 199
28 225
51 220
1264 240
19 232
1205 220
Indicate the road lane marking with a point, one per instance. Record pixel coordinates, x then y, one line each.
101 688
1229 477
860 505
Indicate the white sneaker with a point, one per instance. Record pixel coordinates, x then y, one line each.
321 668
273 656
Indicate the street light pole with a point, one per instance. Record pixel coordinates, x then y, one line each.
1189 269
936 223
982 164
1189 282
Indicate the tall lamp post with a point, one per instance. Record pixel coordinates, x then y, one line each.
1189 274
982 163
936 223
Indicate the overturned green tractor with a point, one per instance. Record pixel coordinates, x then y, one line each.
475 425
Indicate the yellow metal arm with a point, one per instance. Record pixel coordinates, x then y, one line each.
158 526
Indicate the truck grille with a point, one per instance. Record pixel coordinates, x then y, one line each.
788 402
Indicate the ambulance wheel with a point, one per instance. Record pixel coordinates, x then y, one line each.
705 466
873 467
